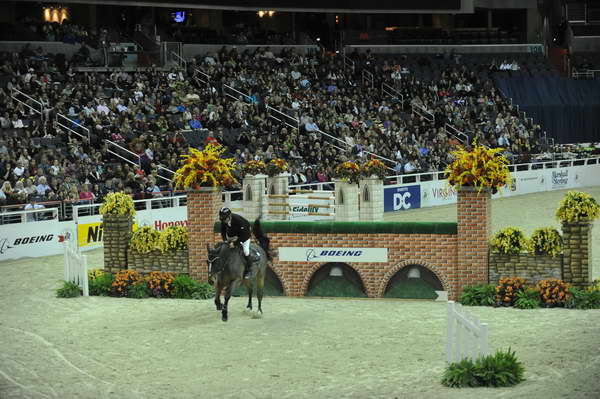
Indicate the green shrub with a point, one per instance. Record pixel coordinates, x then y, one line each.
478 295
583 299
528 299
184 287
101 285
139 290
203 291
460 374
500 370
68 290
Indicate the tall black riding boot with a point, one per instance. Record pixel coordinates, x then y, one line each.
247 267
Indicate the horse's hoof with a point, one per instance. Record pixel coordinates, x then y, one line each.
219 307
224 318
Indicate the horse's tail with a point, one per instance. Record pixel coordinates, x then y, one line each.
262 238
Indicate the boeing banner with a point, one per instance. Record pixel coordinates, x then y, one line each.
401 198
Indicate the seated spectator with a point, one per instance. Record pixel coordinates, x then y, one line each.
42 187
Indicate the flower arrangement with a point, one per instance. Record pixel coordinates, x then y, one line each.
253 167
124 279
94 274
577 206
119 204
595 286
160 284
482 167
206 168
510 240
144 240
553 291
373 167
173 238
507 290
546 240
276 166
348 171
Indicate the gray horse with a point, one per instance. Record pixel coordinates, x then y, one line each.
226 267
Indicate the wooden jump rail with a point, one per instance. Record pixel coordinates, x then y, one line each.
303 213
307 205
282 196
312 192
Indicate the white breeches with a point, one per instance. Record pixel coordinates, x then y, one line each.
246 246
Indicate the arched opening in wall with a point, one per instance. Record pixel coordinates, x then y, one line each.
413 282
272 287
336 280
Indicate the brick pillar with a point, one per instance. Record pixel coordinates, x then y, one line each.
116 236
371 199
577 248
474 221
203 209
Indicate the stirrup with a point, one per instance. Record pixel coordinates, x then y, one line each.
247 274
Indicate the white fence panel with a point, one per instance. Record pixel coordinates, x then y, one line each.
76 267
467 336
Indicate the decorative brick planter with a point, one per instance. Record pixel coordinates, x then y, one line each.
577 249
533 268
116 236
175 262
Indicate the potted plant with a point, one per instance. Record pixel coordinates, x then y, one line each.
577 206
206 168
482 168
117 204
373 168
276 166
253 168
348 171
545 241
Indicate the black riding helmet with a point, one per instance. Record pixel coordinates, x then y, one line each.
224 213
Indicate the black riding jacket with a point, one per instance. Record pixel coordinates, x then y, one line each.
240 227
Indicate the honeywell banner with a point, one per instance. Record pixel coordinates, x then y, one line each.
332 254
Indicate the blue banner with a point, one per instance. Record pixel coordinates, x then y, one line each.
401 198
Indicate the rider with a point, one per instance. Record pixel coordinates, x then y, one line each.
236 230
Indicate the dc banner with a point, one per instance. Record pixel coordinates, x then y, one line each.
401 198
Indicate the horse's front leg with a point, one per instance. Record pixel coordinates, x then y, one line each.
218 289
230 290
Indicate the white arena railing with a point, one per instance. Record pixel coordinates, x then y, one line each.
232 198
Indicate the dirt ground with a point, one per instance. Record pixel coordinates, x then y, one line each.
301 348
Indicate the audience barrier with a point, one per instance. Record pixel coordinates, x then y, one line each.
46 236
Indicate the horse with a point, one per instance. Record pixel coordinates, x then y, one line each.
226 267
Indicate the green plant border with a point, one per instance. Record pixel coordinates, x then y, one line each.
356 227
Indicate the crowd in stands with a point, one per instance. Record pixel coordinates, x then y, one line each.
156 114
